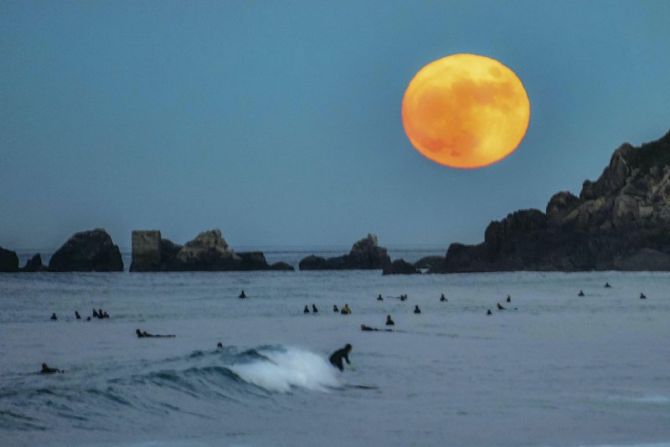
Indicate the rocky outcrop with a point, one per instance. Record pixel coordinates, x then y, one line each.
34 264
209 251
87 251
429 262
365 254
619 222
282 267
400 267
9 262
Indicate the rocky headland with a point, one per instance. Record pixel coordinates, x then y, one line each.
619 222
365 254
207 252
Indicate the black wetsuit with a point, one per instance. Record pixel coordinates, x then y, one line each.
337 356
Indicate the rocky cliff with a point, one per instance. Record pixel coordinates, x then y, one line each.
207 252
365 254
619 222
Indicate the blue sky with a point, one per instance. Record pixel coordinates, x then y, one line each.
279 122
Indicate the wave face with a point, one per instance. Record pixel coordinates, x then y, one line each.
172 385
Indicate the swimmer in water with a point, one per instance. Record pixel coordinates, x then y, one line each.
47 370
339 355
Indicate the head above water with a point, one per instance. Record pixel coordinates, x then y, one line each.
347 347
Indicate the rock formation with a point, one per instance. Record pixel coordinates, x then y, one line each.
619 222
366 254
429 262
9 262
400 267
87 251
207 252
34 264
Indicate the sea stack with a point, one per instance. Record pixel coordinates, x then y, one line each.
9 262
87 251
365 254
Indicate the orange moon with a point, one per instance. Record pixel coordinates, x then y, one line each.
465 111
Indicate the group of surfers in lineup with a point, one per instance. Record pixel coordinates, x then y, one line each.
337 358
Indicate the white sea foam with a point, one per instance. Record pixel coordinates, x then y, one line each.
284 369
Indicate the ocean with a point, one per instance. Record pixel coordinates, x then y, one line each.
553 369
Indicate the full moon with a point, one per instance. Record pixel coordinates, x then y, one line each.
465 111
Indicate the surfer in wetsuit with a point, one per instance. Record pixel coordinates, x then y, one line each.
500 306
509 299
380 298
581 293
145 334
643 296
306 310
416 309
337 356
242 295
389 321
314 309
47 370
76 315
54 317
488 312
443 298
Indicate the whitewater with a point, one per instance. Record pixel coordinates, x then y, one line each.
553 369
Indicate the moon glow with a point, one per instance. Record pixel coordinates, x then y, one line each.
465 111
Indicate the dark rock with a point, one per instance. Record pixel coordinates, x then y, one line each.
400 267
365 254
282 266
87 251
9 262
34 264
429 262
619 222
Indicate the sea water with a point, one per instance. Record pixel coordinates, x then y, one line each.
553 369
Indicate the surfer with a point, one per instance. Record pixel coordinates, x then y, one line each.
607 285
389 321
306 310
47 370
416 309
314 309
219 345
443 298
54 317
500 306
242 295
403 297
76 315
346 310
509 299
380 298
488 312
337 357
335 309
643 296
145 334
366 328
95 314
581 293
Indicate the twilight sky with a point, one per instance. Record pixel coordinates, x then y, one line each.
279 122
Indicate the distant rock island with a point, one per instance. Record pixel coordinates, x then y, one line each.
207 252
619 222
366 254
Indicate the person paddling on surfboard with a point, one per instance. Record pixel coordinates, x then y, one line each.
337 357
